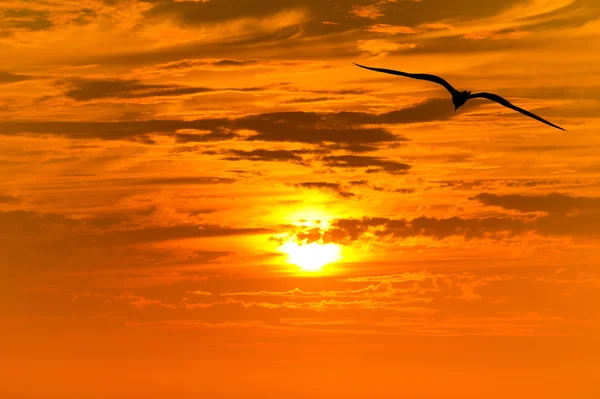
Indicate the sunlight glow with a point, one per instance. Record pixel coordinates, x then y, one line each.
311 257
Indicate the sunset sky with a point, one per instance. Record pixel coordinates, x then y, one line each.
206 199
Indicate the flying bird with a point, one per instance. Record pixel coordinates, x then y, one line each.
459 98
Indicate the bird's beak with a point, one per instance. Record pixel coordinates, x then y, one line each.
455 108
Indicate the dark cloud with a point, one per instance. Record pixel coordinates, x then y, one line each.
340 92
335 187
411 14
93 89
193 63
550 147
358 161
490 183
365 183
573 15
550 203
580 111
237 63
167 233
95 231
60 160
354 147
159 181
310 127
30 241
590 92
147 181
339 39
83 17
9 199
7 77
308 100
579 225
458 44
435 109
408 13
19 223
126 130
358 182
241 47
228 63
405 190
346 231
343 128
266 155
24 18
217 135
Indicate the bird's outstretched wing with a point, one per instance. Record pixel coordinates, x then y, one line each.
420 76
508 104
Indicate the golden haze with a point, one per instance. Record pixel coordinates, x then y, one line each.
207 199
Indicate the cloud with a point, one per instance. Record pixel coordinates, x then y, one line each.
348 230
344 128
225 63
140 302
391 29
556 223
187 65
127 130
335 91
358 182
382 47
9 199
7 77
405 190
341 127
497 183
395 278
27 227
382 289
160 181
216 135
371 11
25 19
135 182
434 109
199 293
210 23
550 203
93 89
332 304
358 148
335 187
305 100
310 127
497 35
233 16
436 26
358 161
266 155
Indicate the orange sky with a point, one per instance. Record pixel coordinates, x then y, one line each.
159 158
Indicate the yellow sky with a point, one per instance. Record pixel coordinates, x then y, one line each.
167 167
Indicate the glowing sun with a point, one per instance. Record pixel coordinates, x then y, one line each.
311 257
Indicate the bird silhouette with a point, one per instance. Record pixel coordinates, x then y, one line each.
459 98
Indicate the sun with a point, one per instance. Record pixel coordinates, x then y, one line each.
311 257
